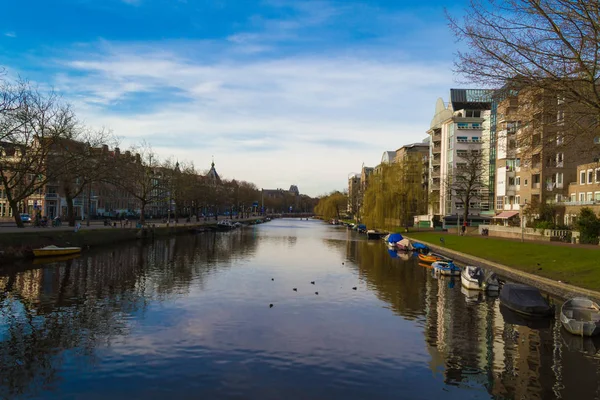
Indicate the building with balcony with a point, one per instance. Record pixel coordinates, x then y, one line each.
534 162
584 192
458 127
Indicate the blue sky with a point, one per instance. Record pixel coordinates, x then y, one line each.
280 92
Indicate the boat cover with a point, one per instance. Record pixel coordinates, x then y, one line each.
419 246
392 253
394 238
524 299
361 226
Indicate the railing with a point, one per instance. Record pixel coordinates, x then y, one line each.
580 203
535 185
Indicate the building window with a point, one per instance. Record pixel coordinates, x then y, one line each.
511 181
597 175
462 139
475 138
499 202
560 139
473 113
581 196
525 184
559 160
590 196
462 125
573 197
518 181
559 198
517 199
590 175
559 180
582 178
597 196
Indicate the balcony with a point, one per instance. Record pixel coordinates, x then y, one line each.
51 196
435 163
536 185
512 207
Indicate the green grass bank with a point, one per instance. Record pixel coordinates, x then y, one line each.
574 265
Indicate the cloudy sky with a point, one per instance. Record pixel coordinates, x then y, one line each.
280 92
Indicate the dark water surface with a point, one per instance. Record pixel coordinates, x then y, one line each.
189 317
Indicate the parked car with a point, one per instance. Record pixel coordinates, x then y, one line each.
25 218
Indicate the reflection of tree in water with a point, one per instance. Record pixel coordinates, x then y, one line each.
402 288
467 338
85 303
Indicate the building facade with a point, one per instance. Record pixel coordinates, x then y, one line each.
458 127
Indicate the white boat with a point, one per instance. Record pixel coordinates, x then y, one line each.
475 278
404 244
581 316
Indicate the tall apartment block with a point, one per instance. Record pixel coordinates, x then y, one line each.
460 126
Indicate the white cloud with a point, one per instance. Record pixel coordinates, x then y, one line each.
306 120
10 34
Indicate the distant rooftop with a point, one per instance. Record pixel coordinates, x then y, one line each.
478 99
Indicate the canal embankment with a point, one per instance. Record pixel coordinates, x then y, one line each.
17 243
560 271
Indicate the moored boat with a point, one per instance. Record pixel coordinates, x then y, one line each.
373 234
446 268
55 251
580 316
420 248
429 258
476 278
404 244
525 300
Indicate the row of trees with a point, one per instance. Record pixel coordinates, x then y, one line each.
332 206
395 194
43 145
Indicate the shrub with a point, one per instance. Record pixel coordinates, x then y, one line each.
588 225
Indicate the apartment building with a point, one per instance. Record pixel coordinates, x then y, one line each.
584 192
353 193
460 126
534 162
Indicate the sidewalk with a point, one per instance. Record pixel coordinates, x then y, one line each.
99 225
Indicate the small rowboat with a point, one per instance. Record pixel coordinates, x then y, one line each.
581 316
54 251
429 258
446 268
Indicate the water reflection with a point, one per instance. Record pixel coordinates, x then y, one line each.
188 317
476 343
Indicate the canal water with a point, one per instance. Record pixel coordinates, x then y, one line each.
190 317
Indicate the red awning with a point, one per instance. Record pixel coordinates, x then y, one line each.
506 214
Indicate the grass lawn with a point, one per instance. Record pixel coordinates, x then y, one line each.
577 266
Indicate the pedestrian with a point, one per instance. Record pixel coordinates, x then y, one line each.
463 228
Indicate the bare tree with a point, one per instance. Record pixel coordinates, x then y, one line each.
551 48
81 162
465 182
36 123
139 174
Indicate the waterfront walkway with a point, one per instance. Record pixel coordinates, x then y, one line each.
99 225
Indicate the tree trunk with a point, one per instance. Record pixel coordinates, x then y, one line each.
142 213
14 205
89 205
70 210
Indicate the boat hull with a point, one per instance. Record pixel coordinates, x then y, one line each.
56 252
446 269
428 259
